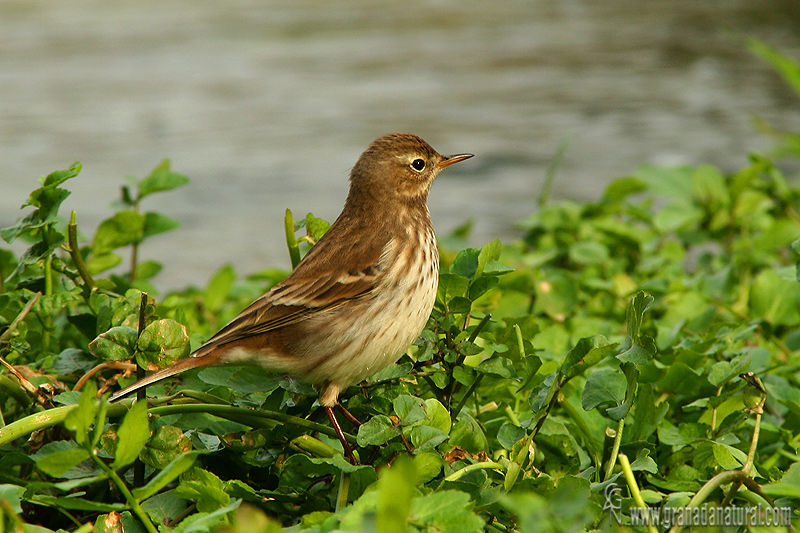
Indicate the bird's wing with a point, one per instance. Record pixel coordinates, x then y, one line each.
326 278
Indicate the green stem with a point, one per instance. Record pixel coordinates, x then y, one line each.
487 465
75 254
634 487
343 492
512 416
751 454
129 497
315 447
291 239
48 291
454 386
482 324
46 419
247 416
612 461
460 406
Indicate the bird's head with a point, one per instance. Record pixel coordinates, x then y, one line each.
398 165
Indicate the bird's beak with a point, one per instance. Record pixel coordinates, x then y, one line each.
448 160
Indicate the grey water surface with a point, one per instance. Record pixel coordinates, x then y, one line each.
266 105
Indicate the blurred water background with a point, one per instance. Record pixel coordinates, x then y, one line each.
266 105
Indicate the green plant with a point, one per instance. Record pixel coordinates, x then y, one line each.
619 331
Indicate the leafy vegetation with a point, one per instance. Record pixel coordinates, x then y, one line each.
648 341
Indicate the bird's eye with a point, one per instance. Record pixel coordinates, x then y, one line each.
418 164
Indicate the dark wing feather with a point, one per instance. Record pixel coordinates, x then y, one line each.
327 277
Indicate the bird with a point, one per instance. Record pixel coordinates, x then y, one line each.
360 296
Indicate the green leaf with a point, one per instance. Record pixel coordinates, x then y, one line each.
563 509
450 286
638 347
98 263
81 418
147 269
557 294
788 486
723 371
468 434
58 463
632 380
644 463
175 468
203 488
47 199
647 414
684 435
605 385
162 343
621 188
203 522
589 253
509 434
218 288
162 508
132 435
161 179
395 492
489 253
466 263
116 344
675 182
500 366
377 430
408 409
787 67
426 437
436 415
122 229
586 353
167 443
316 227
481 285
446 511
428 465
10 496
774 299
243 379
78 504
155 223
712 455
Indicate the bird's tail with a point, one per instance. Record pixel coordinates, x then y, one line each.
172 370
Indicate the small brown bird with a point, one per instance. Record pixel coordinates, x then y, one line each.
359 297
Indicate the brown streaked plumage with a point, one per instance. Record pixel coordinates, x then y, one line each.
359 297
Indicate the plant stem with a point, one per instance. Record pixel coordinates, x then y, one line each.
343 492
47 320
246 416
634 487
457 410
46 419
487 465
612 461
75 254
291 238
123 488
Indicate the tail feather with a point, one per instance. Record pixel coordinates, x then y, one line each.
172 370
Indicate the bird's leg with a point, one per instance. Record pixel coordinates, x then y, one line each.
348 451
348 415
